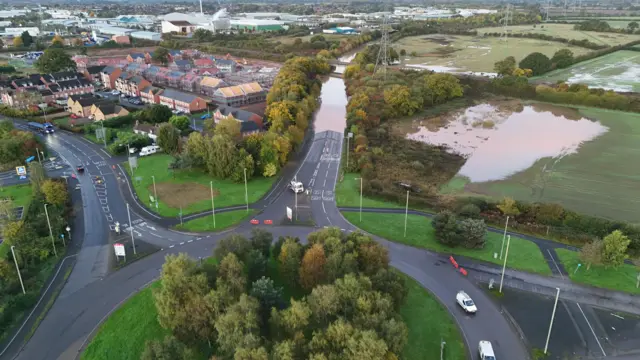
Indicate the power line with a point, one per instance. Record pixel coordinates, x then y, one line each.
505 22
381 60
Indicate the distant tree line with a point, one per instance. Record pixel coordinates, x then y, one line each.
581 43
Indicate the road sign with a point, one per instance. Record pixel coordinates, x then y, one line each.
21 170
100 134
133 161
119 249
30 159
289 213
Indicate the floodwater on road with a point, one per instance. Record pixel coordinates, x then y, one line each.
499 141
332 114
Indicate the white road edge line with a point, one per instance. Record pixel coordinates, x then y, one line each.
109 155
171 246
555 263
133 196
591 328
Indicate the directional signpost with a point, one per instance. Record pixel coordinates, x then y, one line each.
119 249
22 172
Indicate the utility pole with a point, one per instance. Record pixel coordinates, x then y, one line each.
133 240
505 22
155 193
246 193
553 315
213 205
406 214
50 232
13 252
360 198
104 138
504 236
382 62
504 265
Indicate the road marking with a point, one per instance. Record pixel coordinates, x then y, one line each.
171 246
323 209
618 316
182 243
555 263
190 241
150 227
156 235
109 155
591 328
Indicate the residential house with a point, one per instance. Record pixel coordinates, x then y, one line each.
203 63
208 85
179 26
150 95
136 68
105 111
63 89
109 75
226 66
73 98
180 65
225 112
174 78
240 95
175 55
151 73
92 73
137 57
27 83
181 101
212 71
137 83
24 98
82 107
122 83
150 130
189 82
59 76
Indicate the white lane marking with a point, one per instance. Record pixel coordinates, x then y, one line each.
555 263
171 246
150 227
591 328
323 209
618 316
133 195
109 155
190 241
156 235
182 243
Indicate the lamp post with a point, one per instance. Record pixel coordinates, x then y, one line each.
68 232
406 214
360 198
128 155
38 155
133 240
504 235
155 193
504 265
246 193
13 252
104 138
213 205
553 315
53 243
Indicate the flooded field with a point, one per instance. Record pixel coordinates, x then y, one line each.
503 139
584 159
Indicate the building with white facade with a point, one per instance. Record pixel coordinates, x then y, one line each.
7 14
146 35
33 31
113 30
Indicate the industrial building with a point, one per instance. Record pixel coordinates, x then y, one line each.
113 30
257 25
341 31
146 35
33 31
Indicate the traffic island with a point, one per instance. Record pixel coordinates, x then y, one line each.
122 251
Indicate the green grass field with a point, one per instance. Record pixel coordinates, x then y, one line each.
566 31
616 71
429 322
223 220
469 53
621 279
523 254
348 194
597 180
290 39
20 195
189 189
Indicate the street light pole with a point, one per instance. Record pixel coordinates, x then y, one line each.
295 192
504 235
246 193
553 315
133 240
38 155
69 232
504 265
128 155
50 232
13 252
104 137
360 198
155 193
213 205
406 214
348 153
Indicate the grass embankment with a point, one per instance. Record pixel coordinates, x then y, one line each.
621 279
188 189
348 194
565 31
223 220
523 254
123 335
21 196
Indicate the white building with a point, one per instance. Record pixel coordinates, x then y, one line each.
146 35
112 30
33 31
4 14
60 14
178 26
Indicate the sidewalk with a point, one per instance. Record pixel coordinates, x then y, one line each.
569 290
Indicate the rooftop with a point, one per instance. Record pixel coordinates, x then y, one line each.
178 95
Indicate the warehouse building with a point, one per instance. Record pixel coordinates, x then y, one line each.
257 25
146 35
113 30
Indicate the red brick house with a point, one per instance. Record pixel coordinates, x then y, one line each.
109 75
181 101
150 95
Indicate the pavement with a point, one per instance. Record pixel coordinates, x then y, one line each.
92 292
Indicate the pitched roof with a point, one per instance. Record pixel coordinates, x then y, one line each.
63 75
96 69
251 88
225 62
210 81
137 80
247 126
136 55
109 70
178 95
88 101
54 88
147 128
108 108
175 74
78 97
230 91
203 62
181 62
175 52
153 89
45 92
180 23
238 114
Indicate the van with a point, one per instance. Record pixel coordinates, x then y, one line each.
486 350
148 150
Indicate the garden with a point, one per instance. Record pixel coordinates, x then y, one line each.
286 301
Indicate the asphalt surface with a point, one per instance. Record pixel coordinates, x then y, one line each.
91 293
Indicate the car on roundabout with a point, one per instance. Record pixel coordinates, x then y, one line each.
465 302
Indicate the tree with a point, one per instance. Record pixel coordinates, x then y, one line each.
17 42
591 253
539 63
57 40
372 257
222 156
312 270
268 295
472 233
54 60
614 249
157 113
54 192
261 240
562 58
167 349
202 35
403 52
180 122
161 55
251 354
441 87
505 67
633 26
27 39
229 127
398 98
389 282
290 256
445 227
77 42
169 138
196 149
231 275
239 327
509 207
256 265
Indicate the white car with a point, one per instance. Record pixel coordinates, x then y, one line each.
485 350
465 302
296 186
115 92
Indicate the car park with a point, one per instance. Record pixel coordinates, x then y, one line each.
465 302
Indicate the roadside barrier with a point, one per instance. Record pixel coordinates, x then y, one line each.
268 222
255 221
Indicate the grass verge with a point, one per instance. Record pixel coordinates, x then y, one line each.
621 279
348 194
223 220
20 194
523 254
188 188
424 336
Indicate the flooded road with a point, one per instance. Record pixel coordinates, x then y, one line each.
332 114
499 142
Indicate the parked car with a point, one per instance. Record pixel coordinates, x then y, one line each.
465 302
205 116
73 116
115 92
148 150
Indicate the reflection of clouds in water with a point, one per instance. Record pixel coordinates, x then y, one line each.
333 107
516 142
